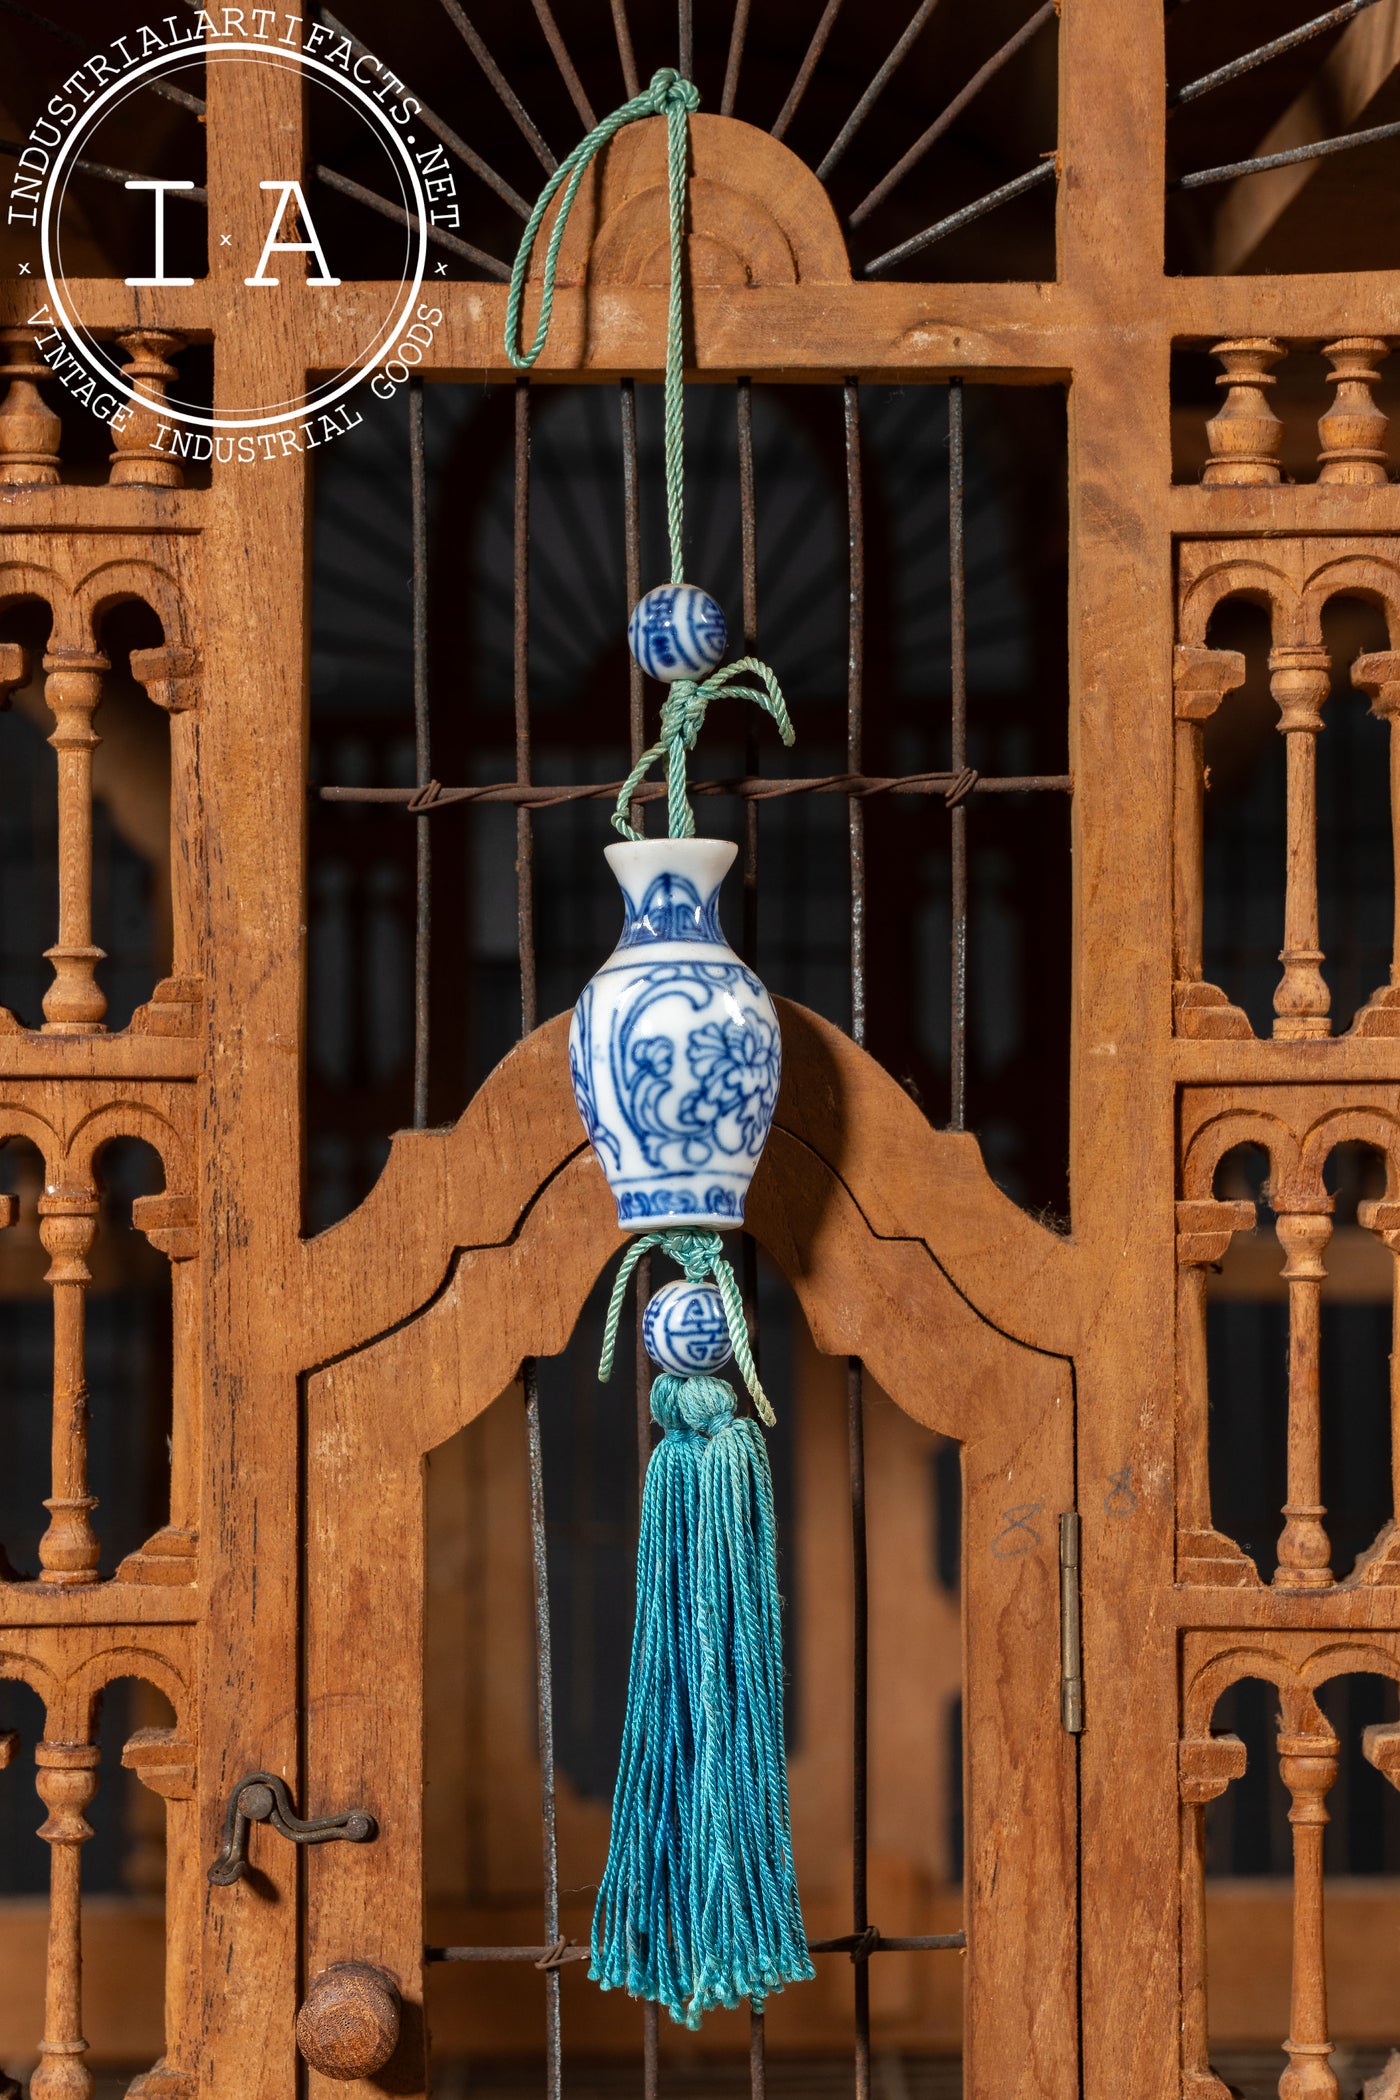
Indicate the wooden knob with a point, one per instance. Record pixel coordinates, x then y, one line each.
349 2025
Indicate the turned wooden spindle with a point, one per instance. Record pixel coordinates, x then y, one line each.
67 1781
1379 675
148 370
1353 429
29 428
1304 1552
1204 1229
1244 433
1300 679
1308 1764
349 2024
73 1004
1201 679
1205 1767
68 1550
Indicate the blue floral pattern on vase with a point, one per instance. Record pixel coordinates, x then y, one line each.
674 1051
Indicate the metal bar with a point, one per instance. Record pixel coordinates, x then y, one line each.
524 836
544 1709
1322 150
1262 52
758 2055
100 168
737 34
422 753
457 16
860 1690
1071 1640
855 699
490 263
876 88
808 66
949 115
860 1944
685 39
957 652
82 43
748 543
632 565
423 115
1043 172
748 787
626 56
544 14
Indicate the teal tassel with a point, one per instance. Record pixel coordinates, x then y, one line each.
643 1939
698 1906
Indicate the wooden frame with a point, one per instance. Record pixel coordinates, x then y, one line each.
909 1249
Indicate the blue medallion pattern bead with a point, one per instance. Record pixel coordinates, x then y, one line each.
674 1051
685 1329
677 631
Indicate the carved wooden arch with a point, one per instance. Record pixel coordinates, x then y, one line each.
1302 1715
756 214
1377 1128
1249 577
1226 1133
149 583
888 1232
85 1685
132 1119
1365 576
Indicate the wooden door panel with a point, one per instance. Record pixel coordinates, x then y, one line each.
373 1415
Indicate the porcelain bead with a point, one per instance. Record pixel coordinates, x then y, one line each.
677 631
684 1329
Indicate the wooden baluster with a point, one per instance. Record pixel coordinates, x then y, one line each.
134 463
1204 1229
73 1004
1309 1767
29 428
1201 679
1304 1553
1300 678
1353 429
1379 675
68 1549
67 1781
1205 1767
1244 433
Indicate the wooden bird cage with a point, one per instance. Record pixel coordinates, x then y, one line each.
1047 549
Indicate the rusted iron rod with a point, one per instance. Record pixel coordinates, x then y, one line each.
1246 63
372 198
861 1945
1321 150
750 788
466 30
1044 171
75 42
942 121
808 66
440 130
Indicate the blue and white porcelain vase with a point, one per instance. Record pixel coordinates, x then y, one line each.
674 1051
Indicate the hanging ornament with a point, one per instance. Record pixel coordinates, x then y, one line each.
675 1058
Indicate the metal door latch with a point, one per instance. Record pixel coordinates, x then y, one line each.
1071 1650
263 1798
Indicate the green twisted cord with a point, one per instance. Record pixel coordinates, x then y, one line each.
700 1255
670 97
682 718
683 713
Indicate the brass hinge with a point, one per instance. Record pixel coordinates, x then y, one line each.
1071 1649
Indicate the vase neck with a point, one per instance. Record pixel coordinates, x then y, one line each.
670 889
